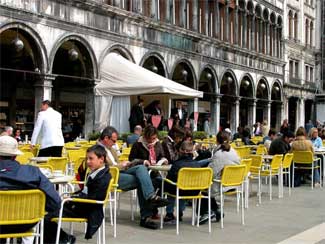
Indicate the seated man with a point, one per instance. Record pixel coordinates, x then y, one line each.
135 177
22 177
185 160
131 139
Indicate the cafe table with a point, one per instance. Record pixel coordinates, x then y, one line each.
321 153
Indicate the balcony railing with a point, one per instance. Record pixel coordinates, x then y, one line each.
295 81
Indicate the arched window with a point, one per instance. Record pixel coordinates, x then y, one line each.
290 24
307 32
311 33
296 26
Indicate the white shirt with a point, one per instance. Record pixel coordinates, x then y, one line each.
180 113
48 129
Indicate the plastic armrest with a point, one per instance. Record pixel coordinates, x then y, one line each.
170 182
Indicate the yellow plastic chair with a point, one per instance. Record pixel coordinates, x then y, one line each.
192 179
232 176
101 238
126 150
261 150
243 152
255 173
115 173
23 207
58 163
306 158
286 164
248 163
273 169
256 139
24 158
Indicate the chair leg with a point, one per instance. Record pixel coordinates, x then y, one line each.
103 232
198 214
193 211
242 206
312 176
221 206
270 186
177 211
289 183
209 208
237 200
293 175
259 190
114 218
246 192
111 210
42 232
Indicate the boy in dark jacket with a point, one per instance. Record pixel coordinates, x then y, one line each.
185 160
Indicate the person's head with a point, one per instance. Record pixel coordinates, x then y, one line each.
288 136
265 122
179 105
8 147
8 130
96 157
313 133
150 134
301 131
109 136
157 104
188 136
272 133
227 130
223 141
45 105
186 148
137 130
285 122
177 134
17 132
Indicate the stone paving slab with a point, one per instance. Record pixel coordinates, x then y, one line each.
272 222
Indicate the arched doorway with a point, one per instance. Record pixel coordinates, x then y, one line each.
72 92
276 106
229 104
262 103
155 65
207 104
247 106
183 73
21 65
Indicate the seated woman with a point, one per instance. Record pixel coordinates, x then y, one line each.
223 155
171 142
302 144
315 139
185 160
95 188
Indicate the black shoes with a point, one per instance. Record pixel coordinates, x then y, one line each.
148 223
214 215
70 239
158 202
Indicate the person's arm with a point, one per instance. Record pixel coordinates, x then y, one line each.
97 187
37 128
53 200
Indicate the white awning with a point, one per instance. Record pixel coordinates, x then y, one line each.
120 77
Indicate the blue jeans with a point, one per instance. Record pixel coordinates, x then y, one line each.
137 177
170 206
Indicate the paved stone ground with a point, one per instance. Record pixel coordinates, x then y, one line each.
272 222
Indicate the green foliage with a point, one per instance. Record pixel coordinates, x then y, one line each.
162 134
93 135
199 135
124 136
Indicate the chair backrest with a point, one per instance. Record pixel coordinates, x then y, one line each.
77 163
276 161
302 157
74 155
126 150
233 175
248 163
115 173
242 151
108 191
257 162
194 178
58 163
21 207
261 150
286 163
24 158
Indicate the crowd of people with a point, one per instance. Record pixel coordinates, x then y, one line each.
177 149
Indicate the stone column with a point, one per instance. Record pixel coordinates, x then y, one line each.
153 9
279 112
236 26
267 38
301 112
195 109
235 117
206 17
268 108
215 115
182 14
217 20
261 36
89 112
226 30
253 33
244 34
195 16
43 91
252 113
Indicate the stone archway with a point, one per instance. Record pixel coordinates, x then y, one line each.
262 103
276 106
247 102
72 93
22 63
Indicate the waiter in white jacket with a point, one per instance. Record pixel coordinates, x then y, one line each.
48 127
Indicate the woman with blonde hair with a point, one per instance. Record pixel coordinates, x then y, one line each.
315 139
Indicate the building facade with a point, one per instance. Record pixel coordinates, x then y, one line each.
254 60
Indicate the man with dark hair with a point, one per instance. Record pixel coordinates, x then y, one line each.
14 176
171 142
48 124
267 140
281 145
135 177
